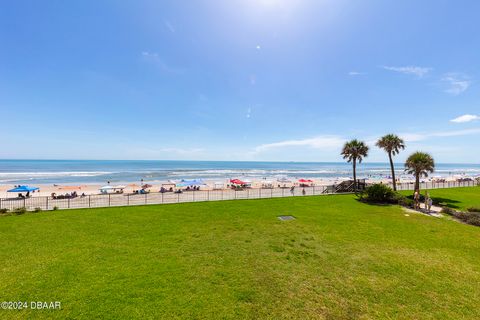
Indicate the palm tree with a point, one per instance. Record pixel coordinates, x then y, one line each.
419 164
392 144
352 151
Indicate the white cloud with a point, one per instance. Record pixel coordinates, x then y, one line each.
333 143
249 113
415 70
316 143
457 83
413 137
456 133
148 54
465 118
355 73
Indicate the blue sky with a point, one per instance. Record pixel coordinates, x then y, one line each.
239 79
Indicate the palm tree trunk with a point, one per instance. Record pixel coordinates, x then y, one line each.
355 175
393 171
417 182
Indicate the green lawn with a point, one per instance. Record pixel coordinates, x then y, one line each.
340 259
456 198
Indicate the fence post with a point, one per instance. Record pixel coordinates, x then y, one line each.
46 204
0 203
128 199
248 194
222 193
89 196
68 203
208 195
109 199
146 197
162 197
193 196
260 193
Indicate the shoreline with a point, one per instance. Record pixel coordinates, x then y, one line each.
93 188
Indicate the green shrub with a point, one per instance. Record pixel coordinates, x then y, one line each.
406 202
37 209
21 210
380 193
472 218
3 210
448 211
55 208
473 209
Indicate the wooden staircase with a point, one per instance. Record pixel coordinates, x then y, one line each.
346 187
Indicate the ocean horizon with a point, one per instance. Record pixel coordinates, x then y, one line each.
24 171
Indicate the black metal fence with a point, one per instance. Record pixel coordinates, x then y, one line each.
111 200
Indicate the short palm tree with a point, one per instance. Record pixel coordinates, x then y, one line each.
354 151
392 144
419 164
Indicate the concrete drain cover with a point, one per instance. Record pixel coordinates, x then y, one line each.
286 218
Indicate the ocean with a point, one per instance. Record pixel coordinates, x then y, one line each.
100 171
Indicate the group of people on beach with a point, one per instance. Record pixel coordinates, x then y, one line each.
71 195
417 201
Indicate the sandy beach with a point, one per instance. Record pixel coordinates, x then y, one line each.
131 187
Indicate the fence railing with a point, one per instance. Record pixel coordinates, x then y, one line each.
112 200
436 185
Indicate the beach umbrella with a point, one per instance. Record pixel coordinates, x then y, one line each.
21 189
237 181
305 181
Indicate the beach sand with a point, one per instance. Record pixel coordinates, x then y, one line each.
130 187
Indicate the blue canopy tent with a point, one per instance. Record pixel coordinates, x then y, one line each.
21 189
188 183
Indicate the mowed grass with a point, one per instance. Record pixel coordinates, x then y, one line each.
340 259
456 198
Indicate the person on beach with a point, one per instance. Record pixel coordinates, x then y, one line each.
430 202
427 198
303 191
416 200
292 190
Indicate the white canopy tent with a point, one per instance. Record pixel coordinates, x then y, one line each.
218 185
112 189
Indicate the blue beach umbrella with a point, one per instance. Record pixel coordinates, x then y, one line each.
21 189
